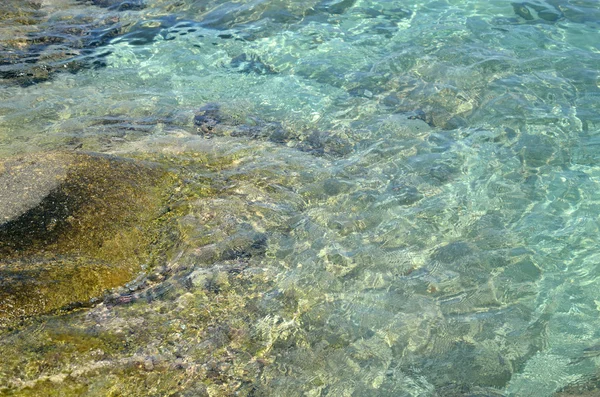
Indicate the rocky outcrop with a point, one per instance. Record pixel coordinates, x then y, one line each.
73 225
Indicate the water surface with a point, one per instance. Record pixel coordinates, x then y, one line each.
380 198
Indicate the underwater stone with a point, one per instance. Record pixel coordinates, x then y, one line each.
245 244
324 142
207 117
245 63
210 119
549 15
442 172
545 11
120 5
535 150
281 135
542 10
335 6
455 122
405 194
522 11
74 225
44 45
419 114
524 271
333 186
452 252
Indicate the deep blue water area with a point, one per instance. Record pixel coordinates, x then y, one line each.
425 176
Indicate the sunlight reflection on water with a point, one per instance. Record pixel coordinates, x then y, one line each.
424 177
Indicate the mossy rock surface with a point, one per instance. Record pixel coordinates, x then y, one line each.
73 225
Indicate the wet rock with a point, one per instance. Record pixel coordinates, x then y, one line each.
211 120
360 91
489 232
24 10
73 225
149 364
257 128
216 279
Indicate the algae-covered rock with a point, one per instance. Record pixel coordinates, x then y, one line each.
74 225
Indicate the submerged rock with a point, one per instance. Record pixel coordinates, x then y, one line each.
38 40
207 117
211 120
120 5
244 244
523 11
335 6
452 252
535 150
532 10
252 63
74 225
405 194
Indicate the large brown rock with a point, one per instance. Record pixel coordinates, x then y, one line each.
73 225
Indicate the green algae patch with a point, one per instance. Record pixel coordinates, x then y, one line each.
73 225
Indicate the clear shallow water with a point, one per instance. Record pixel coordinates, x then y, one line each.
431 209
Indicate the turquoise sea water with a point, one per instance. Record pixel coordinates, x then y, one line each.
426 174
